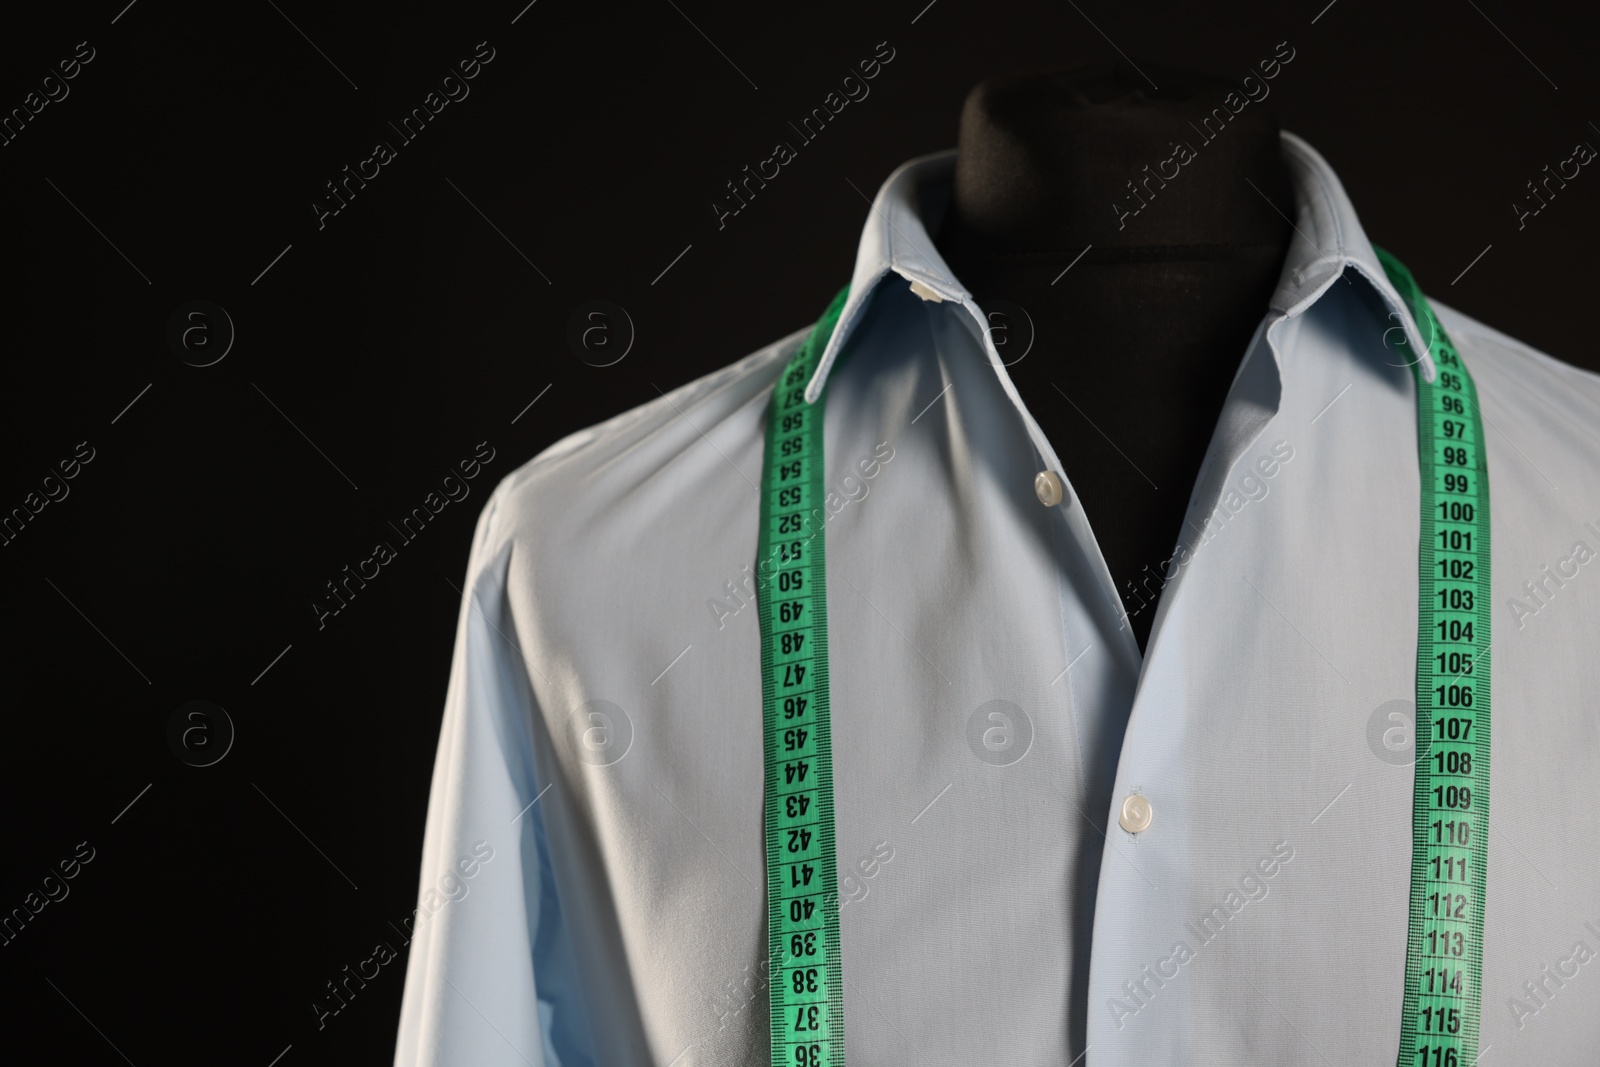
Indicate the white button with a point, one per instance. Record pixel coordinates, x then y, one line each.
1136 813
1048 488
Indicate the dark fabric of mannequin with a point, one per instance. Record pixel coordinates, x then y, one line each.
1132 349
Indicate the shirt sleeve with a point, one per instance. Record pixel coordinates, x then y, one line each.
470 990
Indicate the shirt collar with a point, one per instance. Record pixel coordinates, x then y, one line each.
1327 238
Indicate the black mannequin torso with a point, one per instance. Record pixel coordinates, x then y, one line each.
1133 348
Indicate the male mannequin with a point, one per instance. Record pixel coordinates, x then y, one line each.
1134 347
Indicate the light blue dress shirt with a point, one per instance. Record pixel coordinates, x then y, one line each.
602 736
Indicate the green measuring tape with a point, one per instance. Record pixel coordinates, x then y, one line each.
1450 806
805 978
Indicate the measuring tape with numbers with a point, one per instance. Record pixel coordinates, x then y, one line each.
806 982
1450 807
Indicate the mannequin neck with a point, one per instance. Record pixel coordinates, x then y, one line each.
1048 163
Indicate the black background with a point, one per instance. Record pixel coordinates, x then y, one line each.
380 349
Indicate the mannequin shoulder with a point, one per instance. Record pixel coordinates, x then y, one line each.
667 452
1501 350
1537 393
